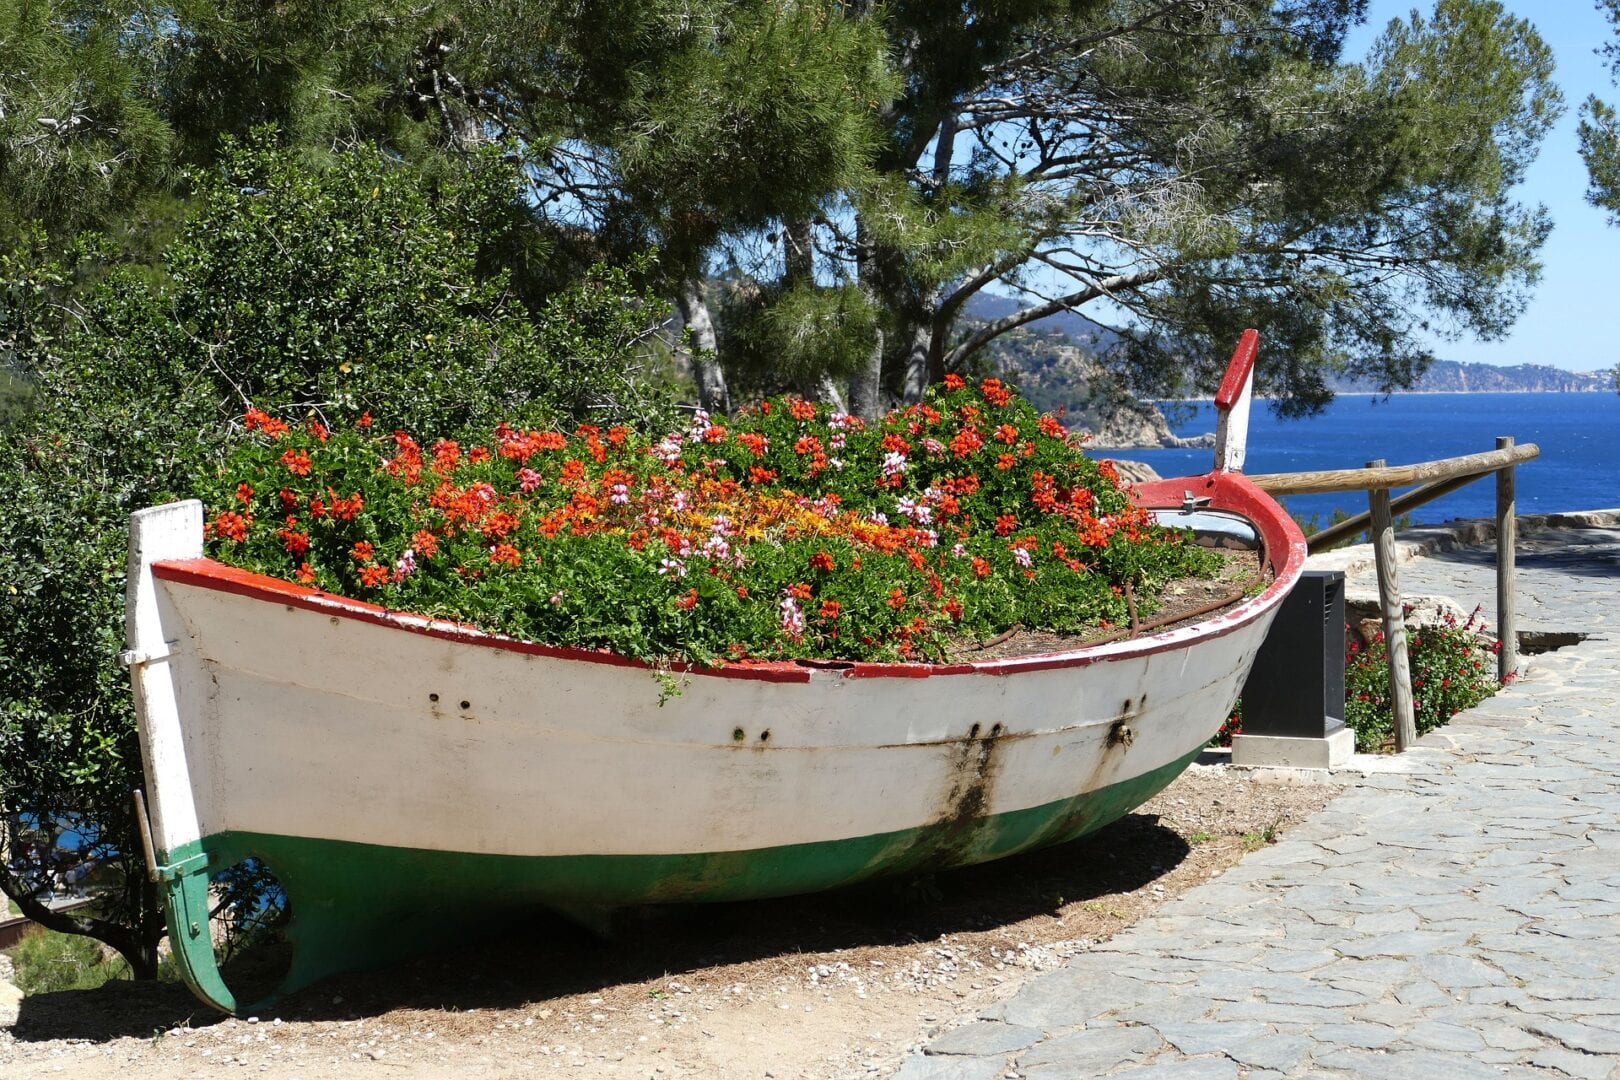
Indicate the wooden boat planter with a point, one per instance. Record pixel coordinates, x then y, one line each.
390 768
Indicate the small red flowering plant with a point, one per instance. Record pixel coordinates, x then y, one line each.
787 530
1452 667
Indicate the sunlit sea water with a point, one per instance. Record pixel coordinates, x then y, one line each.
1579 437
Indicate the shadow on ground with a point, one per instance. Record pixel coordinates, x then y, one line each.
1575 554
545 957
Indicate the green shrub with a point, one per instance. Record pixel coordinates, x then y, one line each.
47 962
360 285
1452 669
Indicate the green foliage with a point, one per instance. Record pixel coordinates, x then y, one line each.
47 962
1452 669
78 139
791 335
1599 135
15 395
787 532
330 291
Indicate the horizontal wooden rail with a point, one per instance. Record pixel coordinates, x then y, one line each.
1311 483
1344 530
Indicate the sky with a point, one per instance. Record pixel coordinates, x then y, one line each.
1572 321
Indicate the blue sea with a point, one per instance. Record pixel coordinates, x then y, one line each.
1579 437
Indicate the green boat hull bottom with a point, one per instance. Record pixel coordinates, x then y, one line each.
358 907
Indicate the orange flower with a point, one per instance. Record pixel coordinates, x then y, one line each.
297 462
688 601
799 591
831 609
363 551
364 421
229 525
821 561
896 600
980 567
1005 462
1007 434
446 454
995 393
373 575
966 441
1005 524
801 409
505 555
244 493
305 575
1049 425
424 543
953 381
266 423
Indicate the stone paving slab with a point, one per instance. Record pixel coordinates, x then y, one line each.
1458 919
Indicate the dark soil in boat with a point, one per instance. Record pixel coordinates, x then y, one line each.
1183 601
822 987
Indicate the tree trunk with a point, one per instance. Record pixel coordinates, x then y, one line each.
798 256
799 267
694 312
918 351
866 388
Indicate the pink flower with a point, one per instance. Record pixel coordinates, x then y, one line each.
404 566
792 617
528 480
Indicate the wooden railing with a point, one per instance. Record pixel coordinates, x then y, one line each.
1436 478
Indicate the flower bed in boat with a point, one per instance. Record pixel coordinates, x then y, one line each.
787 530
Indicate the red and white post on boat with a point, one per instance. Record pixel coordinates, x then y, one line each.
1232 404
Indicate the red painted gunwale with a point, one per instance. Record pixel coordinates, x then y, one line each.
1226 491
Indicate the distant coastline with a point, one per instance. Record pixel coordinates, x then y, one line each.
1406 393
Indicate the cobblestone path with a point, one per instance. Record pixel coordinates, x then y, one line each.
1459 919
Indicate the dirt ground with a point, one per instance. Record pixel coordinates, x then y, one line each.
812 988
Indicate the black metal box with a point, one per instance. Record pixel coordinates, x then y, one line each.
1296 687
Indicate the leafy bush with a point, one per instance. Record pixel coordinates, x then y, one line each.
328 291
787 531
1452 670
47 962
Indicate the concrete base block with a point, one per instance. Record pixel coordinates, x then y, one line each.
1258 751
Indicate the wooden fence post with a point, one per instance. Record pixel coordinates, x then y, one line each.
1389 597
1507 659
